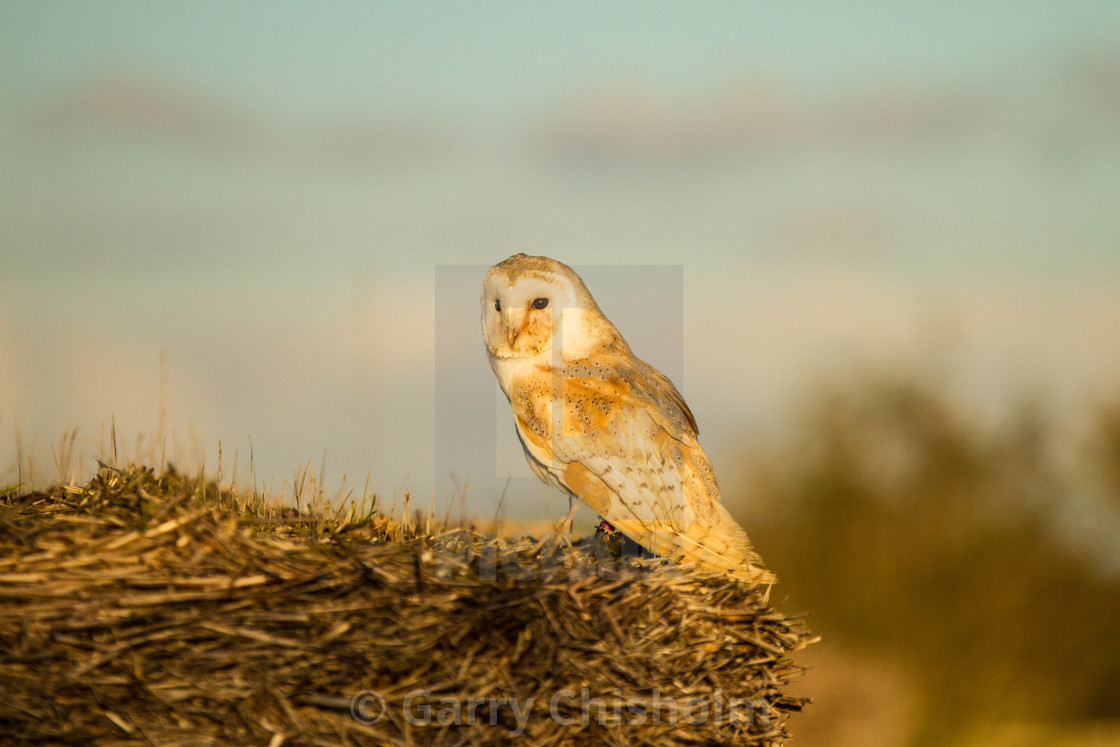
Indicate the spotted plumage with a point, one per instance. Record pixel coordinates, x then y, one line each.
600 423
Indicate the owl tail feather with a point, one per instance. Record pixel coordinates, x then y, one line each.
721 545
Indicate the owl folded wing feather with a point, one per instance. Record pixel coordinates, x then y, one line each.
628 448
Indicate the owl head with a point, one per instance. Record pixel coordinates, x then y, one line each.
528 303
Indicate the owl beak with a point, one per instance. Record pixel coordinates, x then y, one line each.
514 328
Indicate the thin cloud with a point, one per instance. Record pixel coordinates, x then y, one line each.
150 111
627 121
138 106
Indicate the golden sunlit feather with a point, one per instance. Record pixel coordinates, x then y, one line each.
602 424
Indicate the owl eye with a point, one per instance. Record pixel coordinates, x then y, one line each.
540 303
497 305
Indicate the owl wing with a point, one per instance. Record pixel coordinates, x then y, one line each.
627 446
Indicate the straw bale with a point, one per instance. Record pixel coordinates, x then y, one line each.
157 609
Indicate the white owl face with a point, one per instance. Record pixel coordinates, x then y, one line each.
518 316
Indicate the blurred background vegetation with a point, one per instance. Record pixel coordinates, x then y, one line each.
944 550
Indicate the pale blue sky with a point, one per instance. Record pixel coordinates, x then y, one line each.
263 191
488 62
483 79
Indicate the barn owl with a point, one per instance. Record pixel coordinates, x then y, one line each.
601 424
